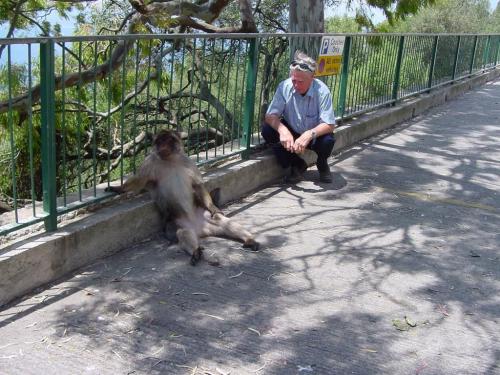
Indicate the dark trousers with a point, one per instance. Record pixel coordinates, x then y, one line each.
322 146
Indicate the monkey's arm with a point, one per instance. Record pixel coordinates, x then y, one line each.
203 199
134 183
137 182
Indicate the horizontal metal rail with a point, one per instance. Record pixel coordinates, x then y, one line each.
87 38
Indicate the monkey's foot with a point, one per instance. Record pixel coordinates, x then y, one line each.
197 255
251 244
114 189
214 262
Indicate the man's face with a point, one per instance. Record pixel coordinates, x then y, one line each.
301 81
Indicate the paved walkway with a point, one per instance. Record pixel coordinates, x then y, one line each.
393 269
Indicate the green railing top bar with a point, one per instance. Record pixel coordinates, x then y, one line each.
90 38
104 97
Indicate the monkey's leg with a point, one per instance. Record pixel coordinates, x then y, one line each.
171 232
188 241
222 226
215 195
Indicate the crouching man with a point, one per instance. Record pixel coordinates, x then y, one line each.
301 116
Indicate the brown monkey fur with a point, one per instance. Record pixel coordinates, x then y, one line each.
176 186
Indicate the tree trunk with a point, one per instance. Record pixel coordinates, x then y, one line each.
306 17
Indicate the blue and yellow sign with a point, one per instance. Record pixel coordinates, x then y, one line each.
330 55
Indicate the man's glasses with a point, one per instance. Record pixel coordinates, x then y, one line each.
302 66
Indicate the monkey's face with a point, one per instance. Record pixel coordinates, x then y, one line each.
167 143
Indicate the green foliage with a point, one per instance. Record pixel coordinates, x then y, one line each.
394 10
24 15
372 68
448 16
17 80
104 19
272 15
342 24
494 23
26 164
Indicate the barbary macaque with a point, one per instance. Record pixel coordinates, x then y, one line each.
176 185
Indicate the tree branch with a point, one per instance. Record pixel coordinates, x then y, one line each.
271 21
119 152
76 1
122 25
198 16
21 103
44 33
203 94
12 27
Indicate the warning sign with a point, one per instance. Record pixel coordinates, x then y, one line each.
330 55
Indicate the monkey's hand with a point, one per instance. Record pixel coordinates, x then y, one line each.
214 210
114 189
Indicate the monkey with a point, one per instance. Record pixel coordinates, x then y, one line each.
176 186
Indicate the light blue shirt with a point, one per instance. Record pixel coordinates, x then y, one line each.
303 112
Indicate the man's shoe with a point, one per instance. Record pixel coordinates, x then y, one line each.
301 167
294 176
297 173
325 176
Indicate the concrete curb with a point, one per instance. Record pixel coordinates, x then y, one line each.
29 263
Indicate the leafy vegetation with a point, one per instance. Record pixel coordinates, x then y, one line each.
448 16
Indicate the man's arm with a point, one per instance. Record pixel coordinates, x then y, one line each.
286 138
305 138
327 124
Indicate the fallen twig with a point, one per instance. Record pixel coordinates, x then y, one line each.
253 330
259 369
213 316
159 350
118 355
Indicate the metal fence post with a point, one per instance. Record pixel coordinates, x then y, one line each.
344 76
471 67
433 61
250 87
48 133
498 50
397 73
455 62
487 52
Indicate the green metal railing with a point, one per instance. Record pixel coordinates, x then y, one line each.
79 112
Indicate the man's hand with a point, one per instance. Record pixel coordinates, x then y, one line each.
301 143
286 138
